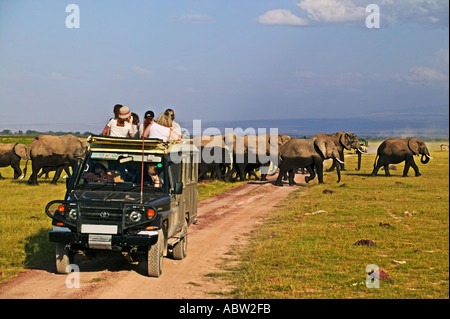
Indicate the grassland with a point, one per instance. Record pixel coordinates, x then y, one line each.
306 249
295 253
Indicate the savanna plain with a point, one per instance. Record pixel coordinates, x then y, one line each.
307 247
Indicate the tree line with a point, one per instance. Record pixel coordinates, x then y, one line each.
36 133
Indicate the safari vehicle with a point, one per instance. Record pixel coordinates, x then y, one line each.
135 197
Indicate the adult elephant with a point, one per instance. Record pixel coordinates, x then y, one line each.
10 155
394 151
309 154
256 151
53 151
214 160
348 141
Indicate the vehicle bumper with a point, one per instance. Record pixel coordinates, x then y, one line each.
117 242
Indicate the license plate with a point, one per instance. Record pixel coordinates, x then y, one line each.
97 241
98 229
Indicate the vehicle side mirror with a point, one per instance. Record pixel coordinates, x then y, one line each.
178 188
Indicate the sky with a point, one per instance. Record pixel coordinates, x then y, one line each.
222 60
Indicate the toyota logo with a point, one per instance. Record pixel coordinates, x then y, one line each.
104 214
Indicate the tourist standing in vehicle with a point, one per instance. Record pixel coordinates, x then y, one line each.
155 130
121 126
175 126
116 111
135 124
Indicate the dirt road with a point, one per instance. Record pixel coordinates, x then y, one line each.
223 221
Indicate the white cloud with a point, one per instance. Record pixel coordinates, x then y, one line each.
332 11
281 16
352 13
140 70
425 74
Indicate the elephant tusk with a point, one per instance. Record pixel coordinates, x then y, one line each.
429 156
337 159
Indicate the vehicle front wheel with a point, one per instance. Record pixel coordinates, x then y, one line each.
63 259
155 257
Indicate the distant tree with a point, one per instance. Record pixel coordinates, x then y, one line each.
6 132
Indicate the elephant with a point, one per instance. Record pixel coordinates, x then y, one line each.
309 154
254 150
47 169
53 151
10 155
348 141
214 160
394 151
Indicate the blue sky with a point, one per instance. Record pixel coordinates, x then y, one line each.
221 60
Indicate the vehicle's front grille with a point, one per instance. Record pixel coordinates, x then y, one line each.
100 213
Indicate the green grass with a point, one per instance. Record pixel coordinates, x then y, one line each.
296 254
23 223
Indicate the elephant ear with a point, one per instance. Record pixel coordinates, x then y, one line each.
21 151
321 144
413 145
345 140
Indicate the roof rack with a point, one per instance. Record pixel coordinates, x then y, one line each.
112 144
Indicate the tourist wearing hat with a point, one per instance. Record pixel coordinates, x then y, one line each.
121 126
148 118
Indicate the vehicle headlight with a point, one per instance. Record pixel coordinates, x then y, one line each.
73 214
135 216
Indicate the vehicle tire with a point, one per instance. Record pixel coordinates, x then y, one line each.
63 259
180 249
155 257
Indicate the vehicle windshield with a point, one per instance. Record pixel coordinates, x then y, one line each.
123 170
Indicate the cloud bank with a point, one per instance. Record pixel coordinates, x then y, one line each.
353 12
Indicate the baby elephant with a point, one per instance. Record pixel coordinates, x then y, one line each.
394 151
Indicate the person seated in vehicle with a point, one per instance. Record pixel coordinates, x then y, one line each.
154 173
99 175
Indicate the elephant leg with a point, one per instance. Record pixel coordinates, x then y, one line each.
319 169
415 168
1 177
386 170
35 167
241 171
57 175
281 173
406 169
312 174
291 174
17 171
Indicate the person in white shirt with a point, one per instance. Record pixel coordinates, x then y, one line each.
155 130
175 126
121 126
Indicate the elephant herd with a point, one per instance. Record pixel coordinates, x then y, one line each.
223 156
46 152
242 155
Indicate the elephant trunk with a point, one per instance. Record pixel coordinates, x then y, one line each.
425 158
359 161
